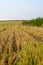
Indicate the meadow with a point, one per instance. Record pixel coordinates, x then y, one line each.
21 43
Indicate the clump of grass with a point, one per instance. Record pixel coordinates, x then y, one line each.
0 56
6 55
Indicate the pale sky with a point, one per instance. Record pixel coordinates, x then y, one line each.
20 9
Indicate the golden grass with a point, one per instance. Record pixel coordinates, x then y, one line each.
20 45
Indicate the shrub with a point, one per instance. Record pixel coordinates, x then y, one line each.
34 22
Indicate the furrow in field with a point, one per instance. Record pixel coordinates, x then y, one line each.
4 53
7 47
3 41
20 41
14 46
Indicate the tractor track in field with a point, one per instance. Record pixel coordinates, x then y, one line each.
15 45
20 40
5 44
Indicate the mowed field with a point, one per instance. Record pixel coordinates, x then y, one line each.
20 44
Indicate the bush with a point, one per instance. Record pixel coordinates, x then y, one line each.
34 22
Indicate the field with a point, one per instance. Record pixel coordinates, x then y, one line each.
20 44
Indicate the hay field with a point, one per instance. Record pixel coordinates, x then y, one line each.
20 44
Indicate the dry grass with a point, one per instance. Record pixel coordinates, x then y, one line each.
20 45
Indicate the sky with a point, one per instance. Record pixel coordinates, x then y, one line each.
20 9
